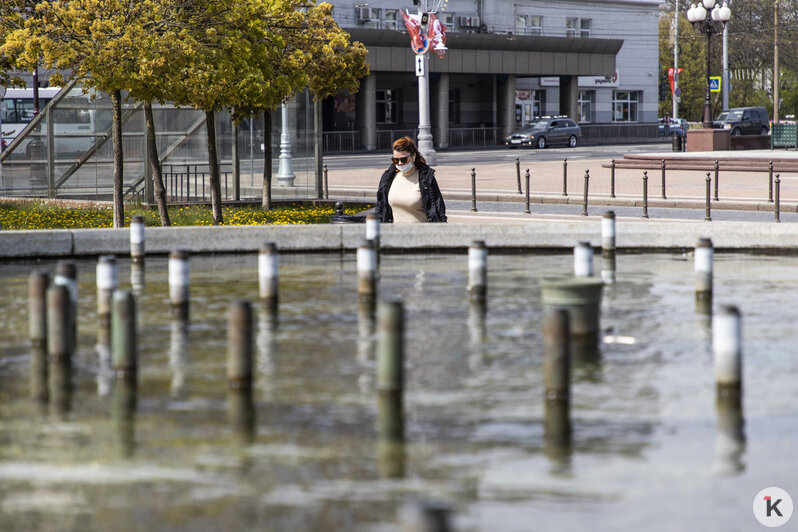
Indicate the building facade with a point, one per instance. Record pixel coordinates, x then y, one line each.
508 62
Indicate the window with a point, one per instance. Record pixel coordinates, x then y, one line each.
447 19
390 19
528 24
370 17
388 106
19 110
575 27
570 26
585 110
624 104
584 27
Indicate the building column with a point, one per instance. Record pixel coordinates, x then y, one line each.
367 113
440 119
569 97
506 105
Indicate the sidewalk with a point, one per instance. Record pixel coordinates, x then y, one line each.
737 190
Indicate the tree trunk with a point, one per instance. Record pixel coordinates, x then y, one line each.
116 134
213 163
155 165
236 163
267 161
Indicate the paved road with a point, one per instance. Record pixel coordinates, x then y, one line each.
654 213
499 155
743 194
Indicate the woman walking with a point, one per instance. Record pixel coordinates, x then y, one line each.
408 191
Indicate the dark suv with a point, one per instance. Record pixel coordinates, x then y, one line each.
545 131
746 121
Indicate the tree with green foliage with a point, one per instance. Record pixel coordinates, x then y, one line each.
751 40
321 52
94 41
13 14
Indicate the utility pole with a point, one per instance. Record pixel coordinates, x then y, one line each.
776 61
675 99
425 145
724 80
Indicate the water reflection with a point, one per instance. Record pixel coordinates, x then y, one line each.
391 459
366 327
557 443
730 435
38 374
105 372
137 275
266 343
241 414
608 268
703 314
585 353
178 354
477 331
60 384
123 414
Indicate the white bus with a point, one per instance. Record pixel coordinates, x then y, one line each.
73 119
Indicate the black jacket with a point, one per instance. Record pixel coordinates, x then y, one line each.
430 194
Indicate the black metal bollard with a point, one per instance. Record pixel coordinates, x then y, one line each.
37 308
717 172
645 193
556 358
584 200
59 347
66 274
662 165
526 176
776 204
367 270
326 188
473 190
37 326
390 371
239 345
478 270
770 181
137 250
612 178
268 276
703 265
565 177
107 277
179 278
518 173
123 335
707 217
727 351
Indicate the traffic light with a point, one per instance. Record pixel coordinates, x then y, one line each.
424 21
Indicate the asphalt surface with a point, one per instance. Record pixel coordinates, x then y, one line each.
597 210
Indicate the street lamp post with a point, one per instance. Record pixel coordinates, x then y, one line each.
709 17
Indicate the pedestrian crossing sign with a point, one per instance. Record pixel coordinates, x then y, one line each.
714 84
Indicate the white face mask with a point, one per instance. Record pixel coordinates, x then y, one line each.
406 167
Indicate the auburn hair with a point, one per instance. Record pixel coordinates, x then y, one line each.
406 144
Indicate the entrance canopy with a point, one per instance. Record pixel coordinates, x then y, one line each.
484 53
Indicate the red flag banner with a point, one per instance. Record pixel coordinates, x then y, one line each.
418 42
671 76
437 36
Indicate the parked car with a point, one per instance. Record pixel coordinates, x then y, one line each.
672 126
718 122
747 121
546 131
